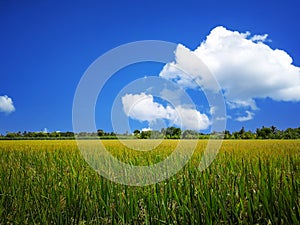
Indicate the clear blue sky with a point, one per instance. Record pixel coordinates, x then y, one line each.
46 46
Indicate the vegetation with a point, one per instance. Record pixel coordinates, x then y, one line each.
265 133
165 133
250 182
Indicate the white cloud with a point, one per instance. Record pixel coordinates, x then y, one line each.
245 67
242 104
249 116
191 119
6 104
258 37
212 110
143 108
188 71
221 118
146 129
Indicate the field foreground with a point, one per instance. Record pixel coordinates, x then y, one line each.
250 182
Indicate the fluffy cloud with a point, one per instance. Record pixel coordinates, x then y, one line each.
191 119
245 67
6 104
142 107
188 71
249 116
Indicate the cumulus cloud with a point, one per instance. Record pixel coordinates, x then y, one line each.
188 71
6 104
142 107
249 116
245 67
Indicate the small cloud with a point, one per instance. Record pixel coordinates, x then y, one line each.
213 110
261 38
146 129
222 118
242 104
6 104
249 116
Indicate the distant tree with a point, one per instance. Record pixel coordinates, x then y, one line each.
273 129
54 134
67 134
42 134
173 133
190 134
146 134
290 133
248 135
264 133
137 133
227 134
11 135
168 133
83 134
242 131
100 132
236 135
155 134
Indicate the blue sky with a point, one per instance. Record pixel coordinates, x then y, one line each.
46 46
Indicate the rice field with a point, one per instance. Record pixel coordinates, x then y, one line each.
249 182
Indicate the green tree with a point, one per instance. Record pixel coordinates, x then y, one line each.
146 134
173 133
137 133
100 132
190 134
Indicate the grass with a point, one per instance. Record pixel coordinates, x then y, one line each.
250 182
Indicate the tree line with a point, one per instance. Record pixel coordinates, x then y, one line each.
264 133
165 133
